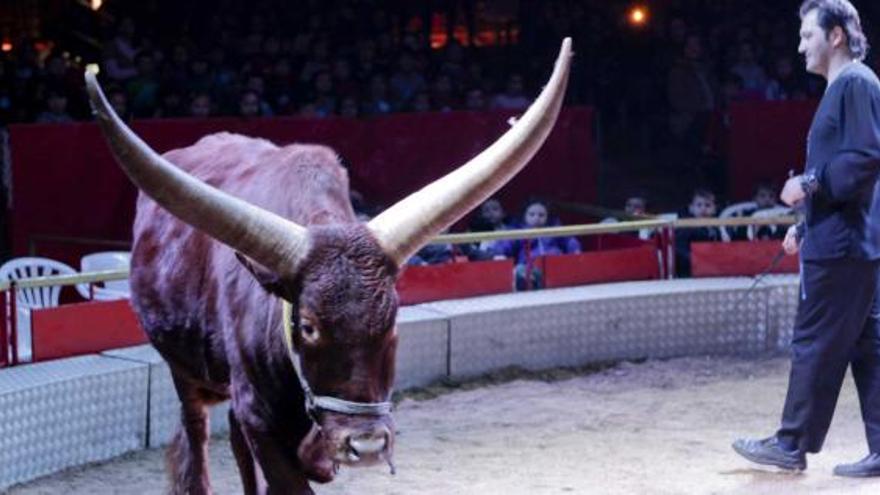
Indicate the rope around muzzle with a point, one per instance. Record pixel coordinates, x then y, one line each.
324 402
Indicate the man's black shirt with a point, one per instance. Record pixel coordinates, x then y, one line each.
843 151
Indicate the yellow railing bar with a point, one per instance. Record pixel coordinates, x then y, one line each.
568 230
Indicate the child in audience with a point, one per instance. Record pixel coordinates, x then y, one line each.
536 214
702 205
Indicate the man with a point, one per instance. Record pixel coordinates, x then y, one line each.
838 313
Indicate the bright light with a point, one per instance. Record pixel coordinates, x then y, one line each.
6 46
96 4
637 16
93 68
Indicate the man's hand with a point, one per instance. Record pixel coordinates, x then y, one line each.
793 193
790 244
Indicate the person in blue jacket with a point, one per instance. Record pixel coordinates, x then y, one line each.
536 214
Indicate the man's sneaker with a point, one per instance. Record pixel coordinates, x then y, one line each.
867 467
770 452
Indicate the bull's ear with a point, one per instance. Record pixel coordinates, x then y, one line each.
269 280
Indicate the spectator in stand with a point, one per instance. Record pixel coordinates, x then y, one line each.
60 75
443 94
119 101
691 102
475 100
421 102
536 214
200 79
702 205
250 105
377 102
513 97
257 84
120 52
634 208
489 217
433 254
281 87
344 85
764 198
7 107
785 84
365 66
747 68
201 106
171 104
322 98
56 109
406 82
691 94
143 88
348 108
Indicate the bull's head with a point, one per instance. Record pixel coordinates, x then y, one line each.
338 278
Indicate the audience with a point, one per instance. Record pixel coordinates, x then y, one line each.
310 59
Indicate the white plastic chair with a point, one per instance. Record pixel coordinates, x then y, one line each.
776 211
735 210
105 260
32 298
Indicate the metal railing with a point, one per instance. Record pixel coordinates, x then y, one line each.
664 243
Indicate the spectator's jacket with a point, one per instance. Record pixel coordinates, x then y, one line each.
843 152
540 246
684 238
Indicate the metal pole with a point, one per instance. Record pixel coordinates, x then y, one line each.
4 341
13 326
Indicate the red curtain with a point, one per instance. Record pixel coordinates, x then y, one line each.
767 139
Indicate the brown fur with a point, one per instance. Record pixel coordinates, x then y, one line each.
217 322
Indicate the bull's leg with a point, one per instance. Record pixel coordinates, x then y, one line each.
243 456
277 472
274 473
188 453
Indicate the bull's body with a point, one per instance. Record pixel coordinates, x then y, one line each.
209 318
190 290
310 394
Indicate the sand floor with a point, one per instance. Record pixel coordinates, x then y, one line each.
659 427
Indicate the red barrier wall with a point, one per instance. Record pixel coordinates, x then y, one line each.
721 259
767 139
637 263
65 182
418 284
85 328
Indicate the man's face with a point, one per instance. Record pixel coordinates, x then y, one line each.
201 107
765 198
536 216
492 211
635 206
249 105
814 45
702 207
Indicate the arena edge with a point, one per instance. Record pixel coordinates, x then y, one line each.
71 412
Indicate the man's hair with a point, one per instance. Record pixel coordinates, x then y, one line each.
702 192
834 13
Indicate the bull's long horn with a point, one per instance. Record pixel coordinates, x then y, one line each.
267 238
406 226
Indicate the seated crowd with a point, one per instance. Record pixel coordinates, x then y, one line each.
537 213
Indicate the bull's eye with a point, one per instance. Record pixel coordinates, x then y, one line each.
308 331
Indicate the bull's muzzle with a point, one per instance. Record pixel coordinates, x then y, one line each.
365 448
